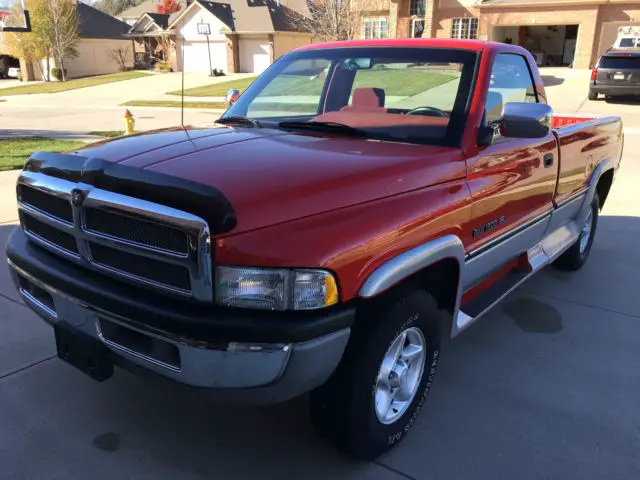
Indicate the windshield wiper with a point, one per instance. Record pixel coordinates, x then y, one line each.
332 127
236 119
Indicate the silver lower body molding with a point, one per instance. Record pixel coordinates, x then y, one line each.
543 253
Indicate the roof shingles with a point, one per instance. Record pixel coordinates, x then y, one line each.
93 23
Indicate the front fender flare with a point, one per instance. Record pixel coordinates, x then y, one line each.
404 265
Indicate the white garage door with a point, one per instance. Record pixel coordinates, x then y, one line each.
196 56
254 55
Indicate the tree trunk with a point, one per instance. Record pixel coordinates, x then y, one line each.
42 73
48 66
64 72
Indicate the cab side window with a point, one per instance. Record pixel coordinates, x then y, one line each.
511 81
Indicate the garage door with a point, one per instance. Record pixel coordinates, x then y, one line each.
254 55
196 56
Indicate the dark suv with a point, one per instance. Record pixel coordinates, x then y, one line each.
616 73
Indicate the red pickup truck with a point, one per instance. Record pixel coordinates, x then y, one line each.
358 202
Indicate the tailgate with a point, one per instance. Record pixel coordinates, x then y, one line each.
619 70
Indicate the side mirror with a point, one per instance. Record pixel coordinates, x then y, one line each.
232 96
525 120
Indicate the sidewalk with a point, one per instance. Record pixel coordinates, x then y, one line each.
82 120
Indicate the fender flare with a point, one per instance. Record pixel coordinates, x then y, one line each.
602 167
412 261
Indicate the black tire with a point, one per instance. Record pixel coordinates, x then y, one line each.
593 95
343 409
573 259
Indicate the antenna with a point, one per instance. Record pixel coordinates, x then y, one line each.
182 88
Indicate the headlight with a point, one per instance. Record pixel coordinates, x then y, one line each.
275 289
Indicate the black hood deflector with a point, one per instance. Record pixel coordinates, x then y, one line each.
204 201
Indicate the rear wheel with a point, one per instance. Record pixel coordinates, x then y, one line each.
578 253
376 393
593 95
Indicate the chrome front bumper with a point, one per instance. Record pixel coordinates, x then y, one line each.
267 373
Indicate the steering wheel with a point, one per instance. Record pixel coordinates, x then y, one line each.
428 112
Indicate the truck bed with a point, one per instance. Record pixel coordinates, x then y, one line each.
565 119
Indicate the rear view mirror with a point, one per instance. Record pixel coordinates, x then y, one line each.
362 63
525 120
232 96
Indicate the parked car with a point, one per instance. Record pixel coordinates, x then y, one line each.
616 73
325 249
13 72
628 37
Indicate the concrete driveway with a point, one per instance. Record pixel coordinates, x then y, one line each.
545 386
98 108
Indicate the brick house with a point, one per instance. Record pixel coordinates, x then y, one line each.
557 32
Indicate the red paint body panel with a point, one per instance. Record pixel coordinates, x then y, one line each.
348 204
475 45
583 145
508 180
353 241
277 178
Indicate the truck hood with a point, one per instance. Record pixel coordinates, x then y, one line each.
270 176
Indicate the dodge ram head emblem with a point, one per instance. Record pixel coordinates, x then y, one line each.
77 197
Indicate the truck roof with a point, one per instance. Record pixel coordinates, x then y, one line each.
475 45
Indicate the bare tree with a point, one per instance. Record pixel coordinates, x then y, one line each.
121 56
333 19
164 42
61 31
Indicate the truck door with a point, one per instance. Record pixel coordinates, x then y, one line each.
512 181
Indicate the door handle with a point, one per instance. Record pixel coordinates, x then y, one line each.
547 160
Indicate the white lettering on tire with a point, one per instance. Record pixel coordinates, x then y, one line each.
394 438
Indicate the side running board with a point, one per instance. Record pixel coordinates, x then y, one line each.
538 257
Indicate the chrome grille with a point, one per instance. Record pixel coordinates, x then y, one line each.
142 267
50 234
55 206
135 240
136 230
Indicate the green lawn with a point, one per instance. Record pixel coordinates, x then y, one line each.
217 89
55 87
107 133
401 83
395 82
14 152
176 104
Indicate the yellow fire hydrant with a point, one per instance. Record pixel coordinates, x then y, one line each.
129 123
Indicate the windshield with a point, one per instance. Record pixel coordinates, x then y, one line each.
404 94
627 42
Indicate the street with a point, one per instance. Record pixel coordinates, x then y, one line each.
544 386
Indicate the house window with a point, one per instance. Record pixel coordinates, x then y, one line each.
417 28
464 28
416 7
374 28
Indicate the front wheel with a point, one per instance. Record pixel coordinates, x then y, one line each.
576 256
376 393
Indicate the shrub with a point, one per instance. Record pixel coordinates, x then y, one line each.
57 73
121 57
163 67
